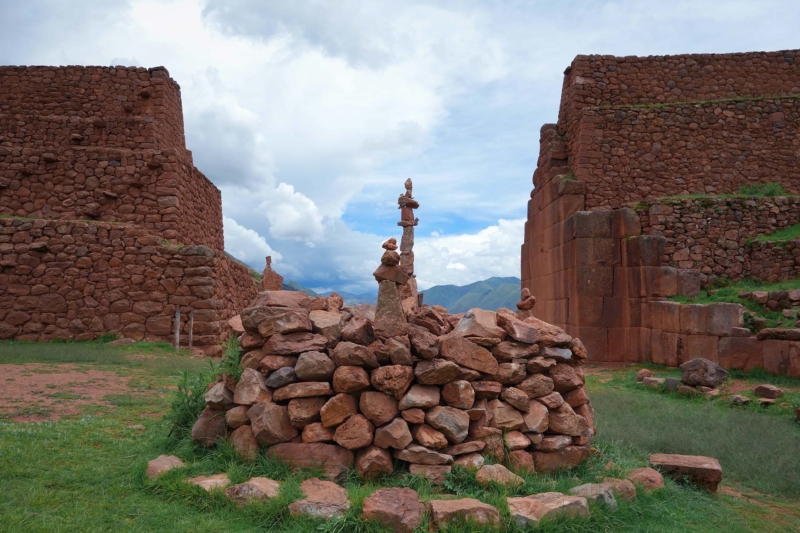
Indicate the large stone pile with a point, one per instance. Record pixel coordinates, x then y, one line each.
332 385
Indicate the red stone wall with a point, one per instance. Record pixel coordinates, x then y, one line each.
628 154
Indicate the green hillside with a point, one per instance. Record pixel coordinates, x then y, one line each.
492 293
292 286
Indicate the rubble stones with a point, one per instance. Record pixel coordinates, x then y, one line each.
467 354
421 455
517 329
393 380
349 379
470 461
436 372
281 377
270 423
338 409
323 499
251 388
414 416
768 391
497 474
433 473
420 396
304 411
316 432
351 354
294 343
452 422
210 483
356 432
390 319
648 478
219 397
536 419
504 416
521 461
359 331
210 427
305 389
479 323
459 394
373 461
516 398
244 443
314 366
598 493
429 437
379 408
564 378
395 435
537 385
568 457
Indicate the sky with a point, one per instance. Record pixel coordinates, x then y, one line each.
310 115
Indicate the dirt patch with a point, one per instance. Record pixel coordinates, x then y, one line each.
35 392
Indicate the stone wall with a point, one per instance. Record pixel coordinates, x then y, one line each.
63 279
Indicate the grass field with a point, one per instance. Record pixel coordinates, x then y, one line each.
85 471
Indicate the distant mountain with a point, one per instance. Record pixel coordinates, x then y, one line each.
351 298
492 294
292 286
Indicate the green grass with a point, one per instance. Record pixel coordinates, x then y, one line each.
769 190
86 474
791 233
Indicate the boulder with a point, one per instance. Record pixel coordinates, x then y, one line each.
536 419
576 397
316 432
552 401
551 335
442 512
499 474
237 416
510 350
397 508
510 373
516 440
334 460
703 372
429 437
452 422
351 354
768 391
244 443
162 464
210 427
565 421
314 366
517 329
421 455
537 385
399 351
504 416
436 474
479 323
395 435
359 331
251 388
355 433
323 499
219 397
456 348
521 461
348 379
304 411
257 488
553 443
424 344
565 378
393 379
378 407
327 324
338 409
267 321
528 511
270 423
517 398
372 462
705 472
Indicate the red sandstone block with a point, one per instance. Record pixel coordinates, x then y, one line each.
624 223
659 281
594 280
705 346
689 282
664 347
597 251
586 310
622 312
592 224
629 345
595 340
776 355
694 319
627 282
723 317
643 250
741 353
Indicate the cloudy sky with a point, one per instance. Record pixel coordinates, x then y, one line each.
310 115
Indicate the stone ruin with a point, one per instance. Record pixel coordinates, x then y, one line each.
326 384
106 225
627 211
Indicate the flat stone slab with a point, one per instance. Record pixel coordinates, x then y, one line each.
209 483
530 510
324 499
464 510
599 493
162 464
399 509
257 488
703 471
648 478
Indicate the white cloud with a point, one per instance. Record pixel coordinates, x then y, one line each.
247 245
292 215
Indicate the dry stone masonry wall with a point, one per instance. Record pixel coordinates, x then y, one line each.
101 150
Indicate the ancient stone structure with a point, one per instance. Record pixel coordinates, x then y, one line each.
626 208
270 280
107 225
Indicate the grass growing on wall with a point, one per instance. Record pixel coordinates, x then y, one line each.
786 234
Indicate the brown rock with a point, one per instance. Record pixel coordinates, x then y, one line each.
414 416
372 462
565 378
768 391
550 335
517 329
281 299
393 379
237 416
429 437
489 390
359 331
210 427
378 407
328 324
251 388
390 319
515 440
464 510
316 432
421 455
399 351
552 401
436 372
271 363
257 488
504 416
251 341
644 373
314 366
538 365
521 461
280 378
536 419
393 274
323 499
267 321
244 443
304 411
553 443
705 472
398 509
294 343
458 394
565 422
350 354
219 397
452 422
436 474
467 354
425 345
497 474
537 385
210 483
304 389
576 397
648 478
703 372
623 488
395 435
162 464
356 432
472 446
270 423
509 350
420 396
334 460
517 398
528 511
479 323
338 409
510 373
479 411
470 461
569 457
348 379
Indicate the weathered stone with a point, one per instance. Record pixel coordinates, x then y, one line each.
281 377
359 331
281 299
257 488
351 354
210 483
355 433
705 472
372 462
653 383
703 372
303 389
528 511
421 455
316 432
443 512
323 499
347 379
338 409
568 457
425 345
648 478
515 440
538 365
598 493
271 363
537 385
576 397
566 422
399 350
270 423
251 388
420 396
390 319
768 391
436 474
452 422
219 397
510 373
521 461
466 447
426 436
497 474
162 464
304 411
294 343
517 329
623 488
414 416
314 366
436 372
393 380
517 398
378 407
267 321
565 378
470 461
552 443
489 390
553 400
479 323
559 355
334 460
644 373
395 435
244 443
504 416
467 354
510 350
399 509
210 427
459 394
327 324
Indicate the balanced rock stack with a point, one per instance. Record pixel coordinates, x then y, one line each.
336 386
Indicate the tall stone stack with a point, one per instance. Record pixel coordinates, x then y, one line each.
406 203
336 386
